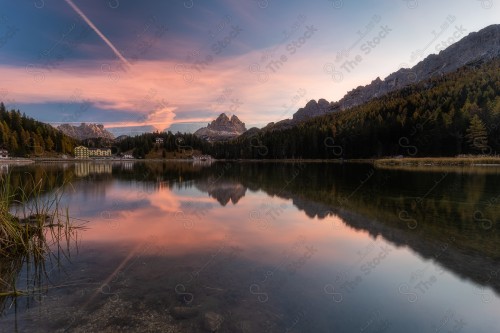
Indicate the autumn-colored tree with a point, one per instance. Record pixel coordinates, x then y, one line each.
25 136
477 136
49 144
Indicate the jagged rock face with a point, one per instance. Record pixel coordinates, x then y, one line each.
85 131
312 109
476 47
224 124
222 128
237 124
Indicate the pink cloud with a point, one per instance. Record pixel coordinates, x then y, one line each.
155 92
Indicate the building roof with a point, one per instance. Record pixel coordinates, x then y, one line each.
92 148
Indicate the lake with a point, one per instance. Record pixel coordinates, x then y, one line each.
266 247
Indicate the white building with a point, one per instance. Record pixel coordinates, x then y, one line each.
4 153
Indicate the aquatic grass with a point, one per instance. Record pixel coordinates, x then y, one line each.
34 230
11 235
31 221
463 160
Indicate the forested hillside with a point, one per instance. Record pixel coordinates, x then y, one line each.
23 136
447 115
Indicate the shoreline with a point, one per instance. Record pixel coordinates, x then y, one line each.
16 160
471 161
423 162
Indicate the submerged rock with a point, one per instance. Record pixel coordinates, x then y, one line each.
212 321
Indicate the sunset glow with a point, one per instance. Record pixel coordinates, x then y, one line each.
171 63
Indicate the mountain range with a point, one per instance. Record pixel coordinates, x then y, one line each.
85 131
476 47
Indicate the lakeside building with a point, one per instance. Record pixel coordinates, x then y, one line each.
4 153
84 152
99 152
81 152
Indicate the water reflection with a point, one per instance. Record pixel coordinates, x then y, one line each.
86 168
222 191
4 168
9 272
301 247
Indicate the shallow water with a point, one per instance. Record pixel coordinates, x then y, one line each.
269 247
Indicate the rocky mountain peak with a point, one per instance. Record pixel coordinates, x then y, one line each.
238 124
222 117
312 109
222 128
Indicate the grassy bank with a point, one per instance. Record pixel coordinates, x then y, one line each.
30 221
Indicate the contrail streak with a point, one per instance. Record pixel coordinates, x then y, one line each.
97 31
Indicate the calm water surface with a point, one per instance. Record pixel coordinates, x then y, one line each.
267 247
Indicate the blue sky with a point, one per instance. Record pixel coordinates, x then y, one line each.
136 66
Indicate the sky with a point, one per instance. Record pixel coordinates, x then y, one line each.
148 65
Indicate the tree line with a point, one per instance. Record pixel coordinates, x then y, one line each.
141 145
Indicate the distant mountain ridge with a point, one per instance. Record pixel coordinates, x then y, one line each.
476 47
86 131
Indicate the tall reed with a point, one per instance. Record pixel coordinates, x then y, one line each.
34 229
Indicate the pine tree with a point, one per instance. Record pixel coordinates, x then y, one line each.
477 136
